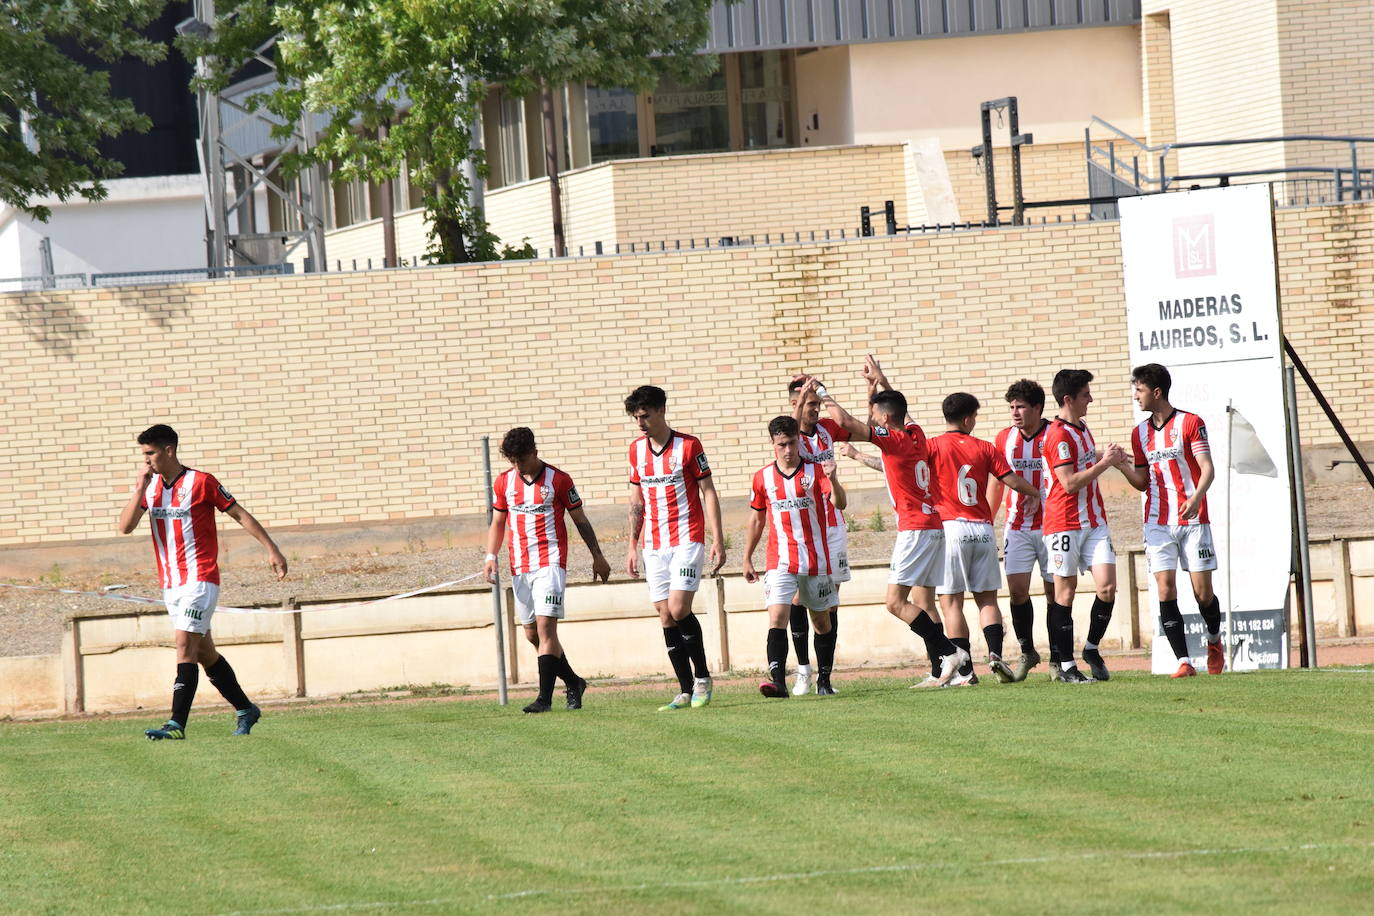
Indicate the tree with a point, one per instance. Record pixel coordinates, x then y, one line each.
54 110
402 81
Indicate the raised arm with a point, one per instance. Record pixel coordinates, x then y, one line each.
259 533
871 461
133 510
857 430
601 569
838 496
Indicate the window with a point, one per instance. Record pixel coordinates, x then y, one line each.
691 118
612 123
766 99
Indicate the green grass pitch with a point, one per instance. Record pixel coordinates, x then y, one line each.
1141 795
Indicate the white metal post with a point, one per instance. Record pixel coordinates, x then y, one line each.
496 616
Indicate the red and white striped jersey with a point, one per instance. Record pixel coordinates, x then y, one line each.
538 533
906 464
795 504
182 519
1025 457
668 481
962 466
1170 452
819 446
1071 444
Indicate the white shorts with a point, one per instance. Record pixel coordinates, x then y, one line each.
839 554
1187 547
815 593
970 559
1078 551
673 569
1022 550
192 605
539 594
918 558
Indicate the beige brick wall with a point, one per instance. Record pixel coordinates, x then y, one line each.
355 397
1052 171
1157 78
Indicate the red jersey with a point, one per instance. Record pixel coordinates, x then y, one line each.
796 505
182 519
1071 444
1025 457
820 446
667 480
906 464
538 534
961 466
1170 452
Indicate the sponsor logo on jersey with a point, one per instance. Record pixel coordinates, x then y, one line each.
1202 433
1026 464
225 494
662 479
532 508
702 467
180 513
1064 451
573 498
795 502
1155 456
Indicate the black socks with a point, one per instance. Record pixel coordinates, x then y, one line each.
777 655
184 691
1211 615
801 632
222 676
994 637
565 672
967 667
933 633
548 673
1171 621
677 655
695 644
1022 621
825 654
1059 618
1101 615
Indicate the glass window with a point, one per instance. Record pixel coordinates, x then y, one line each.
511 140
613 123
766 99
691 118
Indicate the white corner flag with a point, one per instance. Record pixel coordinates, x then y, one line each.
1248 455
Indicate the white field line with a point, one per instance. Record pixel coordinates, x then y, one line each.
784 877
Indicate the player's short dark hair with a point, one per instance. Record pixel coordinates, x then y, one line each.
1027 390
159 436
959 406
518 443
797 384
1153 375
646 397
783 426
1068 383
890 404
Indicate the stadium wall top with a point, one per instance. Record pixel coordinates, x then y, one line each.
358 397
761 25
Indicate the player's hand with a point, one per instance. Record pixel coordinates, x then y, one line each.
145 475
1031 503
717 556
849 451
1191 508
829 466
873 372
601 568
632 562
489 570
749 574
278 563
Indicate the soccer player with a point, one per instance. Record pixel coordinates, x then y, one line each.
1023 541
183 502
531 498
961 467
817 439
670 481
792 497
919 552
1173 467
1076 532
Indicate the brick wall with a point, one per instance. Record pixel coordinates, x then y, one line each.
362 396
1157 78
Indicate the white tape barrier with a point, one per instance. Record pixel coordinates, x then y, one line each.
139 599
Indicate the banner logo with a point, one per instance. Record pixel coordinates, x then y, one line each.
1195 247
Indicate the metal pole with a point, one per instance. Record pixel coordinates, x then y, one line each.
1230 601
495 586
1309 624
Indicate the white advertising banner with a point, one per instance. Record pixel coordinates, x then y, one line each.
1201 299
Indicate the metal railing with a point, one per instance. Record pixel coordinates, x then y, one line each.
1121 163
41 282
150 277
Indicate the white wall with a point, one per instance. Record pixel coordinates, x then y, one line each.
144 224
823 93
919 89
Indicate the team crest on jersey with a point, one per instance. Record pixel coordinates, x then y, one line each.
1064 451
702 467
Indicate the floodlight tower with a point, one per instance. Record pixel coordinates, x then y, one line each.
246 145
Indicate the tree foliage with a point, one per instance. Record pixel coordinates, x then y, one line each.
54 110
420 69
